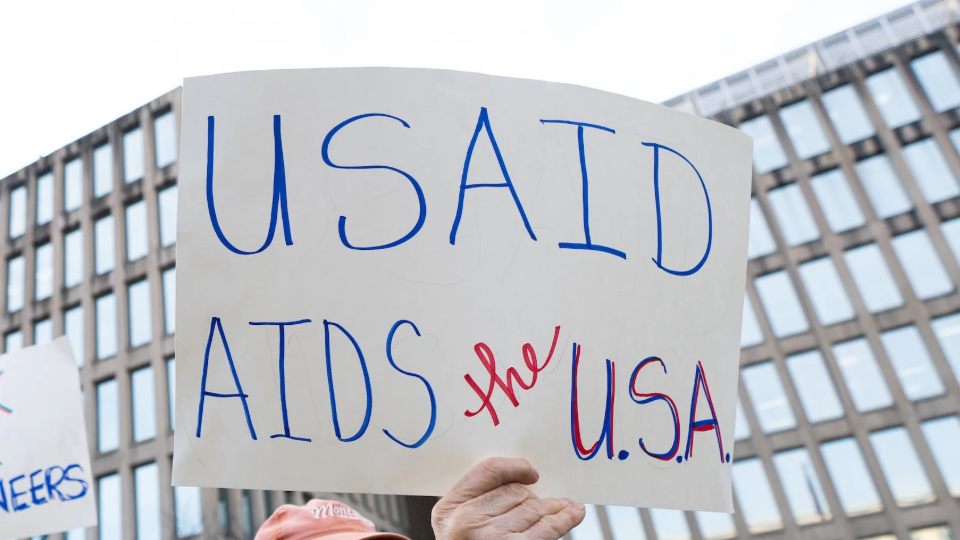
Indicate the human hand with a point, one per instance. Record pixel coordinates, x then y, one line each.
491 502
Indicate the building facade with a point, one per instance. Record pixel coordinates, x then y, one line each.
89 251
847 422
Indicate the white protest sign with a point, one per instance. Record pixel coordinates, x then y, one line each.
46 484
387 275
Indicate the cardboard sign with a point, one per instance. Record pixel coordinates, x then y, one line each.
387 275
46 483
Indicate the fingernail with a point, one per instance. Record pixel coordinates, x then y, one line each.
579 506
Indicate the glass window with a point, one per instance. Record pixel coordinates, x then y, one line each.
847 114
133 155
669 524
938 79
750 332
223 510
625 523
892 98
106 326
103 243
42 332
873 278
73 328
932 533
102 170
947 330
165 139
15 280
951 232
167 203
912 362
943 438
73 185
804 129
172 391
767 152
812 381
108 416
246 509
883 186
779 300
589 528
111 512
827 293
144 405
760 241
793 215
862 375
43 288
850 476
919 259
768 397
170 300
186 501
76 534
931 171
901 466
45 199
18 212
73 258
146 479
141 321
716 525
741 429
802 487
136 231
835 197
13 341
955 139
757 502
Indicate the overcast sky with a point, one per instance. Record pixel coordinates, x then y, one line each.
68 67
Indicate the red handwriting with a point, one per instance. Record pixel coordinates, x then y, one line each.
490 364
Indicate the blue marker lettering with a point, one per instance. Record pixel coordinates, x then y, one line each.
279 192
342 225
333 394
53 487
34 488
606 434
644 398
710 424
17 507
283 377
483 122
215 324
83 483
433 401
656 193
588 245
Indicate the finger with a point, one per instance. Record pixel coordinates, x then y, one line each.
490 474
557 525
499 501
530 512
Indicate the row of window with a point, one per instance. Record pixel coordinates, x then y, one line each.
165 145
849 475
143 405
140 321
627 524
926 273
188 513
836 200
889 93
137 247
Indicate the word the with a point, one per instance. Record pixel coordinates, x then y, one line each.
278 203
490 364
40 487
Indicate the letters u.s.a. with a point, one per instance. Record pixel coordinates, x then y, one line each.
387 275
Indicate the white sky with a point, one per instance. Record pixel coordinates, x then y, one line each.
67 66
